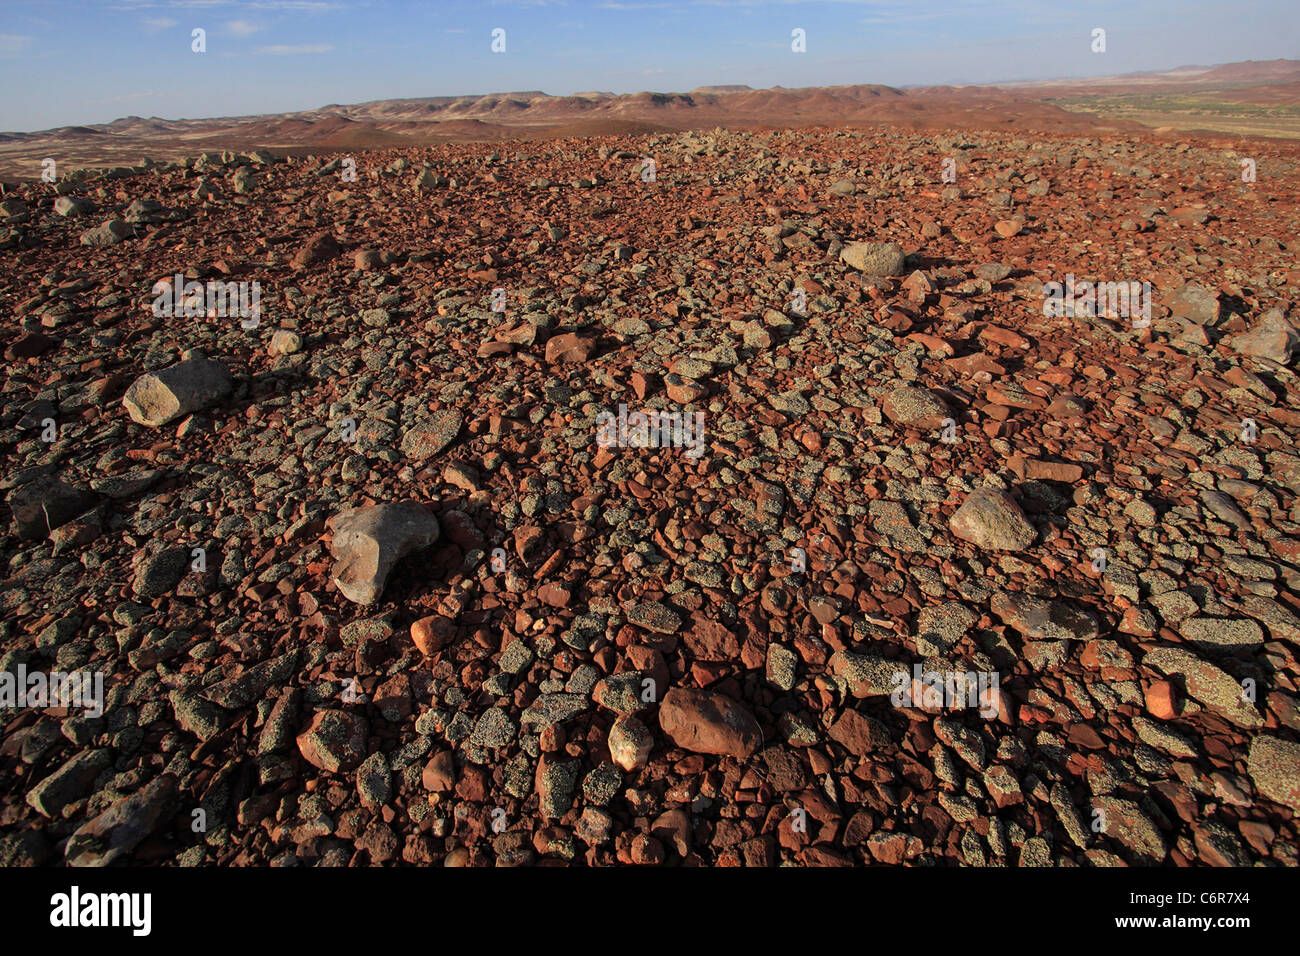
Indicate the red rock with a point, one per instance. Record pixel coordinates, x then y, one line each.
570 348
1085 736
684 391
554 595
334 741
431 634
319 248
642 384
529 542
859 733
708 723
439 773
1001 336
29 345
1052 471
931 342
1161 700
971 365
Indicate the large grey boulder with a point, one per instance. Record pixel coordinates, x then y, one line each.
157 398
109 234
875 258
369 541
990 520
1272 338
44 503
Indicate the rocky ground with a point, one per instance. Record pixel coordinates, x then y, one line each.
365 589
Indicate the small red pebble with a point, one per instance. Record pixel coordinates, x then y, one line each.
430 634
1160 700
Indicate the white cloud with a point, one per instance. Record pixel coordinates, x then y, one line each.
242 27
157 24
125 97
284 50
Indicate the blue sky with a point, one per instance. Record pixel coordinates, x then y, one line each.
65 62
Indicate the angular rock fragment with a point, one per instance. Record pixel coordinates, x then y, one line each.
1195 304
159 572
1274 768
875 258
45 503
319 248
867 675
73 206
556 781
570 348
630 743
1206 683
1042 620
70 782
157 398
1125 821
1222 634
989 519
107 234
368 541
655 617
284 342
1272 338
114 835
433 436
708 723
914 407
940 627
334 741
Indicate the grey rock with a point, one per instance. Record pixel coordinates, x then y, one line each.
940 628
1125 821
108 234
1273 338
556 782
494 728
196 715
375 781
550 709
1195 304
1206 683
158 573
655 617
73 206
875 258
70 782
45 503
157 398
369 541
1226 634
1274 768
989 519
914 407
113 835
429 438
867 675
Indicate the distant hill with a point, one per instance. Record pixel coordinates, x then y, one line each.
413 121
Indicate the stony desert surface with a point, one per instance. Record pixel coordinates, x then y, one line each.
366 588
